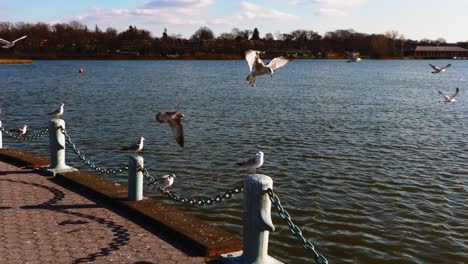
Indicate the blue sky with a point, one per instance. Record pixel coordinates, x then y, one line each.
415 19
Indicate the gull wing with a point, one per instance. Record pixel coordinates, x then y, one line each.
177 130
435 67
448 65
456 93
251 57
440 92
248 162
23 37
279 62
4 41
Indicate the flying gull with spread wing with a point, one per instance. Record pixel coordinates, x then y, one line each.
57 113
135 147
258 68
353 56
9 44
253 163
449 98
438 69
174 120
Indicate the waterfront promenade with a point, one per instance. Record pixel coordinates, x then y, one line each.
82 218
43 222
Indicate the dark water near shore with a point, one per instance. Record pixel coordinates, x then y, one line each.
366 157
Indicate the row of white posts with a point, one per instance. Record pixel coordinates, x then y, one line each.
256 202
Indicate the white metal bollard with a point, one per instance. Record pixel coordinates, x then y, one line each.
57 148
257 223
135 178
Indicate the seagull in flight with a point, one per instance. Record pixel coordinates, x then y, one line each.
353 56
9 44
20 131
166 181
258 68
253 163
174 121
135 147
439 69
449 98
57 112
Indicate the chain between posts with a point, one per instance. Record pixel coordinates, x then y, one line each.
192 201
25 138
295 230
86 161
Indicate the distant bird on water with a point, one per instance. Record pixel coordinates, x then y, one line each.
9 44
20 131
439 69
135 147
353 56
258 68
449 98
174 121
166 181
253 163
58 112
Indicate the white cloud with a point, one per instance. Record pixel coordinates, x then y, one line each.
177 3
330 12
254 11
330 7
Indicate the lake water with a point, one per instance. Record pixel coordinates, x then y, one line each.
366 157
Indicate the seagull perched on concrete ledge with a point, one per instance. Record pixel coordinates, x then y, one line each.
135 147
166 181
57 113
253 163
174 121
258 68
9 44
439 69
20 131
450 98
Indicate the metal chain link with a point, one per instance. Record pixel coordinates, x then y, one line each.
295 230
25 138
192 201
86 161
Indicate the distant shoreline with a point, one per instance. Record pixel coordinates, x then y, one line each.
16 61
29 59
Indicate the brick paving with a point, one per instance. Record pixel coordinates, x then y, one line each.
42 222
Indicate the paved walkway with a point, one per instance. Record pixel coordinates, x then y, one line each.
42 222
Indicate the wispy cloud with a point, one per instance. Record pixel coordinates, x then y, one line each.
183 12
254 11
330 7
177 3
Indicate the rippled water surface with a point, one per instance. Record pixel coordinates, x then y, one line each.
366 157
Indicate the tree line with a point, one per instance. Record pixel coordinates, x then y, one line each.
75 40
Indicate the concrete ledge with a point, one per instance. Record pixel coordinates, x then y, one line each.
204 239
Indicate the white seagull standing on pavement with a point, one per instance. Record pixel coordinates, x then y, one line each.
439 69
253 163
449 98
166 181
20 131
9 44
57 112
135 147
258 68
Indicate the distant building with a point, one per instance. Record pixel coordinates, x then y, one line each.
431 52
